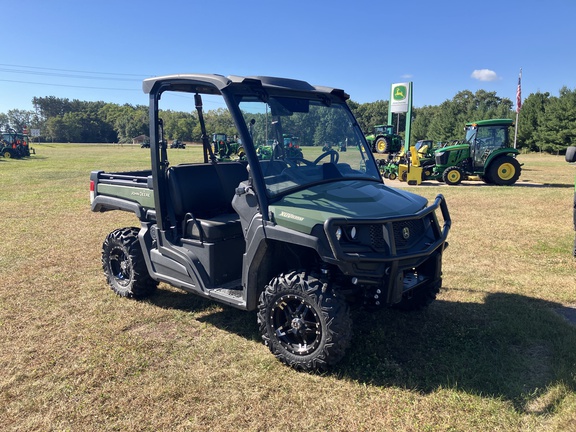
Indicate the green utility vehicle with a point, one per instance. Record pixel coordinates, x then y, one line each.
571 157
299 239
384 140
485 152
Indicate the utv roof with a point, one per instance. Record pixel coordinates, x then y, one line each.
214 84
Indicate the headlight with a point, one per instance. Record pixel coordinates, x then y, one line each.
350 233
339 233
353 233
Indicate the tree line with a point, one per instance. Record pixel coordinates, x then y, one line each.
546 122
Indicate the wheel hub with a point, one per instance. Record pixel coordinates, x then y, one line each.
297 323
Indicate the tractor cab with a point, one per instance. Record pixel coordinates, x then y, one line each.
384 129
485 137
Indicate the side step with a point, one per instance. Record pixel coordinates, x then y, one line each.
232 295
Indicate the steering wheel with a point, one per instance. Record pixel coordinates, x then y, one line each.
334 157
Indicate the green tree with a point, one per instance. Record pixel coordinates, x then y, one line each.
370 114
127 121
557 126
18 119
529 119
422 117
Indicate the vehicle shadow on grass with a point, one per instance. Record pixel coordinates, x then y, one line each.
510 347
221 316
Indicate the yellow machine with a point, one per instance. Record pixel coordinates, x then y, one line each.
411 171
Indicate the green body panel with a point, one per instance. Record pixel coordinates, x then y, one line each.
456 154
302 210
144 197
497 153
492 122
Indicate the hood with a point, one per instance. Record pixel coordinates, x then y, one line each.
352 199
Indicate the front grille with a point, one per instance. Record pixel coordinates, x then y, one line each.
442 159
377 237
407 233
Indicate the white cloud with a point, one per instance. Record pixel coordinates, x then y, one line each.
407 76
485 75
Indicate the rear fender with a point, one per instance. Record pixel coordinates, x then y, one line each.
498 153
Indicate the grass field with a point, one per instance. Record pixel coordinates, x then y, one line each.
492 354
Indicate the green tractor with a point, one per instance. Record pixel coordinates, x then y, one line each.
226 148
14 145
384 140
485 152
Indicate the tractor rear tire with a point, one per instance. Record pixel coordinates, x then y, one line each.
452 176
304 324
124 266
381 145
504 171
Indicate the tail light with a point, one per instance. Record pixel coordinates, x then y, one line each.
91 191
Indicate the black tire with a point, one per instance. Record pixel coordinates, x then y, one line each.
8 153
304 324
570 154
504 171
124 265
381 145
486 179
392 176
419 299
452 176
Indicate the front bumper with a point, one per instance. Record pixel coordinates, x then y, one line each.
396 254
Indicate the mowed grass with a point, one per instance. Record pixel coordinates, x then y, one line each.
493 353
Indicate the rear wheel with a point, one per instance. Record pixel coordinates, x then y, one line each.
304 323
392 176
7 153
504 171
124 266
381 145
452 175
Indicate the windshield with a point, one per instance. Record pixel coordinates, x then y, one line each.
471 134
302 142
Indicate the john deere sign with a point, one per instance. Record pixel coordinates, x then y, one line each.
399 97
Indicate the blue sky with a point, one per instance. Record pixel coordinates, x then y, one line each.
102 50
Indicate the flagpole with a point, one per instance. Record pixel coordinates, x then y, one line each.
518 105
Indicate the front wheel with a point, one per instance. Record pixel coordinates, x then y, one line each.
304 323
452 176
124 266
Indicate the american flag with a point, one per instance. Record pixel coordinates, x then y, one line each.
519 93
